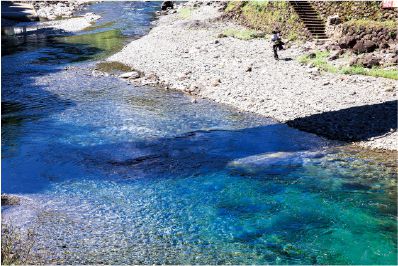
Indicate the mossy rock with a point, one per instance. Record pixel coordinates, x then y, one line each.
112 67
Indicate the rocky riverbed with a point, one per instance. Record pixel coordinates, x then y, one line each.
66 25
187 52
51 10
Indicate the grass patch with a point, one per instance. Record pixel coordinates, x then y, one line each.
320 61
232 5
185 12
244 34
267 16
368 23
112 66
374 72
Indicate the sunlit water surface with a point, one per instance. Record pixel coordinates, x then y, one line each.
112 173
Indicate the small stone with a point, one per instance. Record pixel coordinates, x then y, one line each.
326 83
334 56
130 75
194 101
181 76
216 82
312 55
96 73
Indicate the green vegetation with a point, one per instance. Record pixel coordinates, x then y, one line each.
268 15
185 12
320 61
242 34
15 248
112 66
351 10
231 6
368 23
374 72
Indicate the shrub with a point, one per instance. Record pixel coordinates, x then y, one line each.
243 34
320 61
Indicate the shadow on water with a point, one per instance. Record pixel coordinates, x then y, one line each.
351 124
12 13
201 152
191 154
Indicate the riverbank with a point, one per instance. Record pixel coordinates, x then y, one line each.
15 12
49 10
187 51
74 24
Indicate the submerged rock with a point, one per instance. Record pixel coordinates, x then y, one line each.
272 162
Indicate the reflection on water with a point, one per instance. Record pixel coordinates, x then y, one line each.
112 173
110 41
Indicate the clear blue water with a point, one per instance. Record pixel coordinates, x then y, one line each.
112 173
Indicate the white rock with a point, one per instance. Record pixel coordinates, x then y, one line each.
130 75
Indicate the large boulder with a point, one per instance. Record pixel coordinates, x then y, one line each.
366 46
365 60
370 61
347 42
167 5
334 20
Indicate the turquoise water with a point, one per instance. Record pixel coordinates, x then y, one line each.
112 173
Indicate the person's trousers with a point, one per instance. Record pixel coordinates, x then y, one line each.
275 48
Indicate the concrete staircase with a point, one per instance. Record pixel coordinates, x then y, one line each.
311 19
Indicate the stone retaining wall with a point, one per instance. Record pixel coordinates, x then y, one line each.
366 38
347 10
373 44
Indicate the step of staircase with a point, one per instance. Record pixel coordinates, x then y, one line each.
310 17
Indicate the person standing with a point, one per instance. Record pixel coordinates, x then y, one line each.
277 43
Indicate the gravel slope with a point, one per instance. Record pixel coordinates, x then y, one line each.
187 54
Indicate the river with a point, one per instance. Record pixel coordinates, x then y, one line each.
112 173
